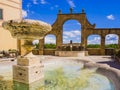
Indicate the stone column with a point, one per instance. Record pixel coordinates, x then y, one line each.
19 46
102 44
41 46
22 49
26 46
59 40
85 40
119 41
28 73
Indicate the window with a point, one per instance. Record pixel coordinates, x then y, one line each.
1 14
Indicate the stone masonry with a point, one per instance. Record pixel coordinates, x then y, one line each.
28 70
86 29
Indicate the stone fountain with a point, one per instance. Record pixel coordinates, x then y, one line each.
26 31
29 69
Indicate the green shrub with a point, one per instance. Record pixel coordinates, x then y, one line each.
93 46
50 46
112 46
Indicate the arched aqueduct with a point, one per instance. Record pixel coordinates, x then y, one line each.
86 29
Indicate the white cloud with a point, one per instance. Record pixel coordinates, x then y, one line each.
71 3
50 39
24 14
73 33
35 42
35 2
43 2
111 17
112 39
94 40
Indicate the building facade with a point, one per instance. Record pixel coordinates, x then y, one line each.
9 10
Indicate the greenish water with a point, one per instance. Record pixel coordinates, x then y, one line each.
63 76
72 77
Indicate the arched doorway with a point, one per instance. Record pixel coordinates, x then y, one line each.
50 41
94 44
111 43
94 41
71 31
49 44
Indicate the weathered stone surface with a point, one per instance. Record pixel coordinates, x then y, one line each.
28 69
28 61
27 74
27 29
111 73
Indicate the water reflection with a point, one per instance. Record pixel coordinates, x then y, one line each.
38 85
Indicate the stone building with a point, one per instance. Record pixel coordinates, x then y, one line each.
9 10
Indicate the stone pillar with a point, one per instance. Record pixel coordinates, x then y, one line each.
83 38
102 44
41 46
59 40
85 44
19 46
22 49
28 70
26 46
119 41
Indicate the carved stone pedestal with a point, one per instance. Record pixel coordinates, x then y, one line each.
28 70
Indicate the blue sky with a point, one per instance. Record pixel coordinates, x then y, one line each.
105 13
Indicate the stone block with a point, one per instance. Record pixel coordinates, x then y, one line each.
28 74
28 61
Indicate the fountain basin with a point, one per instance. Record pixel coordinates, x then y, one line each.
71 53
105 77
27 29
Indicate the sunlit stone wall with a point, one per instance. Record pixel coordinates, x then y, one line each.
11 9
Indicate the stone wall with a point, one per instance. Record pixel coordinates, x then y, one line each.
11 10
86 29
94 51
49 51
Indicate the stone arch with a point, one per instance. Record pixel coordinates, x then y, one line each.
94 39
62 18
86 27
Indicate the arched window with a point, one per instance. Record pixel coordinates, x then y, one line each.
111 41
1 14
94 41
71 31
50 41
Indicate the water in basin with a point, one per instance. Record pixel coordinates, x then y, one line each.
65 75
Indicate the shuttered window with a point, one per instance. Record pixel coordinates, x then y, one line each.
1 14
